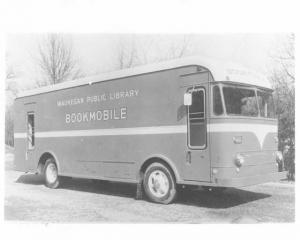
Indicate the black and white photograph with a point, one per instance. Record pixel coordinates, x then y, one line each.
157 120
153 127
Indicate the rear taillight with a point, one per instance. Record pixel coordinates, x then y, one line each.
279 161
239 160
279 157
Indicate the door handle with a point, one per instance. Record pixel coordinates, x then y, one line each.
188 157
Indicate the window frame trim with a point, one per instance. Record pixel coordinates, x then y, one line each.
222 100
27 132
240 87
258 90
203 147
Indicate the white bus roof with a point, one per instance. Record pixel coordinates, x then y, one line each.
221 71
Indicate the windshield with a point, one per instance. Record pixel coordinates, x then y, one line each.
240 101
266 104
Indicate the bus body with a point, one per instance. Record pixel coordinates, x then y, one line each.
189 119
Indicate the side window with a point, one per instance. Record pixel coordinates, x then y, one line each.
217 101
197 120
30 130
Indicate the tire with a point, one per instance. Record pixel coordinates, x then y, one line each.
52 180
159 184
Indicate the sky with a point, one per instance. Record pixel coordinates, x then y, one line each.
98 53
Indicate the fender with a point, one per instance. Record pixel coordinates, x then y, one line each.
54 156
165 159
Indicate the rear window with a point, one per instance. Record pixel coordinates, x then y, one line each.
240 101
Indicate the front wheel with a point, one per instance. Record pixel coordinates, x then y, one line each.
159 184
52 179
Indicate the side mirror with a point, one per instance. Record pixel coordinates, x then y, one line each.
187 100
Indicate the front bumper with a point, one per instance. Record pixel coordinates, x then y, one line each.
247 181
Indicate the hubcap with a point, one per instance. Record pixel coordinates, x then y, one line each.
158 183
51 173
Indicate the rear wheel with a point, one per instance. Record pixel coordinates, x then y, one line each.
159 184
52 180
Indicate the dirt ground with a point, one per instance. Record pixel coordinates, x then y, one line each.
27 199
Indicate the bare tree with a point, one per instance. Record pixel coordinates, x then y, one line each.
11 74
286 59
133 51
10 92
283 79
179 49
126 52
56 60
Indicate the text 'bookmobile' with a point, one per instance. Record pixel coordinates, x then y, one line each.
183 122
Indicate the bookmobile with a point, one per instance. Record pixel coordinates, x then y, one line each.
162 126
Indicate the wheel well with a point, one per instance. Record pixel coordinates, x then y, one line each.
43 160
148 162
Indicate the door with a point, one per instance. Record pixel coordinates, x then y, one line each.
197 163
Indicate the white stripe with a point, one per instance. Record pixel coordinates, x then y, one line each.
115 131
260 130
20 135
241 127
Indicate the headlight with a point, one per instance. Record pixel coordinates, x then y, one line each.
239 160
279 157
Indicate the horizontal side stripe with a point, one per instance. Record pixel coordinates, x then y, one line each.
218 127
20 135
115 131
241 127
